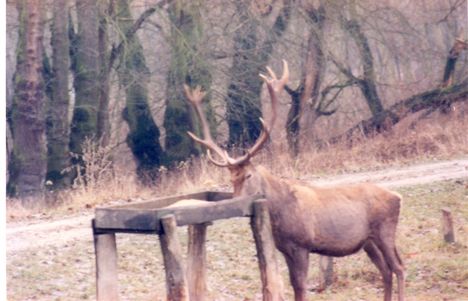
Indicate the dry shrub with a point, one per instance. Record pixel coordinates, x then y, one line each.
432 138
15 210
99 181
105 182
188 176
426 140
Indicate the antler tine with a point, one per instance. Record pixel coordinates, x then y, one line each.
215 162
274 86
255 148
195 97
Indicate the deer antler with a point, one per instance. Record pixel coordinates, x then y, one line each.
274 86
195 97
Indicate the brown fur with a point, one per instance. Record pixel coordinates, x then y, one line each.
335 221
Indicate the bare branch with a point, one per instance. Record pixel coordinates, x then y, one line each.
117 50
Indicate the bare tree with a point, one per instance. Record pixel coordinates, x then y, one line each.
367 82
250 54
86 66
29 162
58 125
305 102
188 65
143 137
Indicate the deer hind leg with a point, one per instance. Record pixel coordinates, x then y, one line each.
297 260
377 258
386 244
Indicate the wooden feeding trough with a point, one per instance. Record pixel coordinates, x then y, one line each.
184 281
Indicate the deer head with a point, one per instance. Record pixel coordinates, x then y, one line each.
244 177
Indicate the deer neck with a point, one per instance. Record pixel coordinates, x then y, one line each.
271 186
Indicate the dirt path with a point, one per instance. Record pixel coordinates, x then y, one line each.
27 235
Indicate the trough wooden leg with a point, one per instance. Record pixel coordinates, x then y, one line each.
106 267
196 268
272 284
176 281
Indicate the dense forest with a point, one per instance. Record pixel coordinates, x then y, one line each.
85 75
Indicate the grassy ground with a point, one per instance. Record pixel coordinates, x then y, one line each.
435 270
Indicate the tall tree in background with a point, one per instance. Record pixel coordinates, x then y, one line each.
106 10
188 66
86 68
367 82
306 105
143 138
28 169
109 54
58 125
243 107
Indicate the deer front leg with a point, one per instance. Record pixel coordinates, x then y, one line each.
297 260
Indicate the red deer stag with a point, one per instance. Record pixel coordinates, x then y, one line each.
329 221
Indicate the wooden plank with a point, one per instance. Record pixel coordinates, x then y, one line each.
127 220
176 280
146 220
215 196
141 216
163 201
106 267
272 284
211 196
196 265
237 207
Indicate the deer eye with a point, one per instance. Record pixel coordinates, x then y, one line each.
248 176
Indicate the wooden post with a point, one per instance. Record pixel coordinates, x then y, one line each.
106 266
176 281
325 272
447 225
272 284
196 266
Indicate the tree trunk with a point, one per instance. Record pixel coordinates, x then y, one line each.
103 122
108 56
243 106
86 71
58 136
243 94
187 67
304 112
29 163
143 138
428 100
367 82
452 58
292 124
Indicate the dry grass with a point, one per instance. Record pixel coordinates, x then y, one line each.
439 137
435 270
431 139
